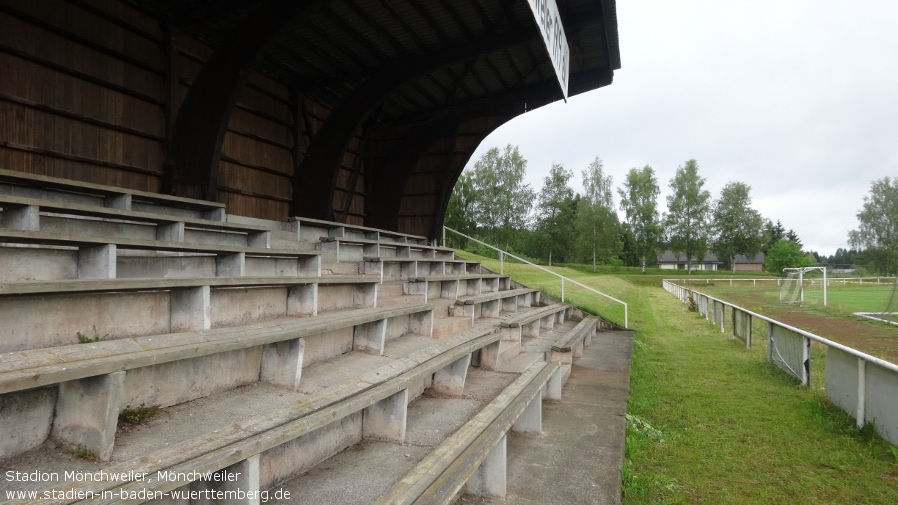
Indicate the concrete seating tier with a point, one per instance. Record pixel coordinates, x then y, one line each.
474 457
312 230
518 328
32 214
98 257
394 269
23 184
274 439
51 313
199 308
170 369
570 346
491 304
453 286
356 249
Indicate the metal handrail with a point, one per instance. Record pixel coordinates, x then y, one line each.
502 254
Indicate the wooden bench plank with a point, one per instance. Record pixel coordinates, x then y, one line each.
40 367
79 209
440 475
497 295
61 239
462 277
516 320
253 436
330 224
47 182
122 285
565 343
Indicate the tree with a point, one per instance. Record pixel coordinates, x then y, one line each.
639 200
557 208
460 210
878 230
501 201
772 234
688 208
598 229
785 254
737 227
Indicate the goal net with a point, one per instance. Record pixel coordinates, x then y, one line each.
806 285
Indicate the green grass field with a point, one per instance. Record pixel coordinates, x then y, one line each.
712 422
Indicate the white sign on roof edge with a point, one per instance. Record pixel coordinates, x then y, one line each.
545 12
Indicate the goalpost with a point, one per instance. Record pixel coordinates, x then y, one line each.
801 283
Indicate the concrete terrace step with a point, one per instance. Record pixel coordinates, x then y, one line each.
47 314
55 189
579 456
467 458
431 420
29 214
40 367
338 389
99 257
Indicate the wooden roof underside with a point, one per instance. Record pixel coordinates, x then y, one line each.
411 87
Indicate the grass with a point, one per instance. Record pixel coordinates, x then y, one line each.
736 429
712 422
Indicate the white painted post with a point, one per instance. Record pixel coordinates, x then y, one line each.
806 362
562 290
861 392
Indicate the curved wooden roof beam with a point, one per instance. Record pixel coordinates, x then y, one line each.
199 130
314 184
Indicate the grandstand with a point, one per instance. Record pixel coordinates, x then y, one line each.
219 274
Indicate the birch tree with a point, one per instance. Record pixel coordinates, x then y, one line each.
598 229
737 227
639 200
688 210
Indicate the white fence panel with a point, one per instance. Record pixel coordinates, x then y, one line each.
862 385
742 326
789 351
881 400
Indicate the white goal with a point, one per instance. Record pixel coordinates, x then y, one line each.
804 285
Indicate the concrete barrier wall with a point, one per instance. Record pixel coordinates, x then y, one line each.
864 386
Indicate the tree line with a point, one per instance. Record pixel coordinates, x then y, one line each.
557 224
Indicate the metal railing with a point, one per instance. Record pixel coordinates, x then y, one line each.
846 382
564 279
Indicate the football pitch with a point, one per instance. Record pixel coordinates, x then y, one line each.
839 320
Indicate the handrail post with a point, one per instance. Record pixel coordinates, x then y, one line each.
861 392
501 263
562 290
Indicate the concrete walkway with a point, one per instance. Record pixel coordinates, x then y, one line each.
578 457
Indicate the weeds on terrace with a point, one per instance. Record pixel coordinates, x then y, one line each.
85 453
82 339
138 415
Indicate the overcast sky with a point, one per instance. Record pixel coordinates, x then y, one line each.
798 99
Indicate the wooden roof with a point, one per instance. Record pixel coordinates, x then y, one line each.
359 111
